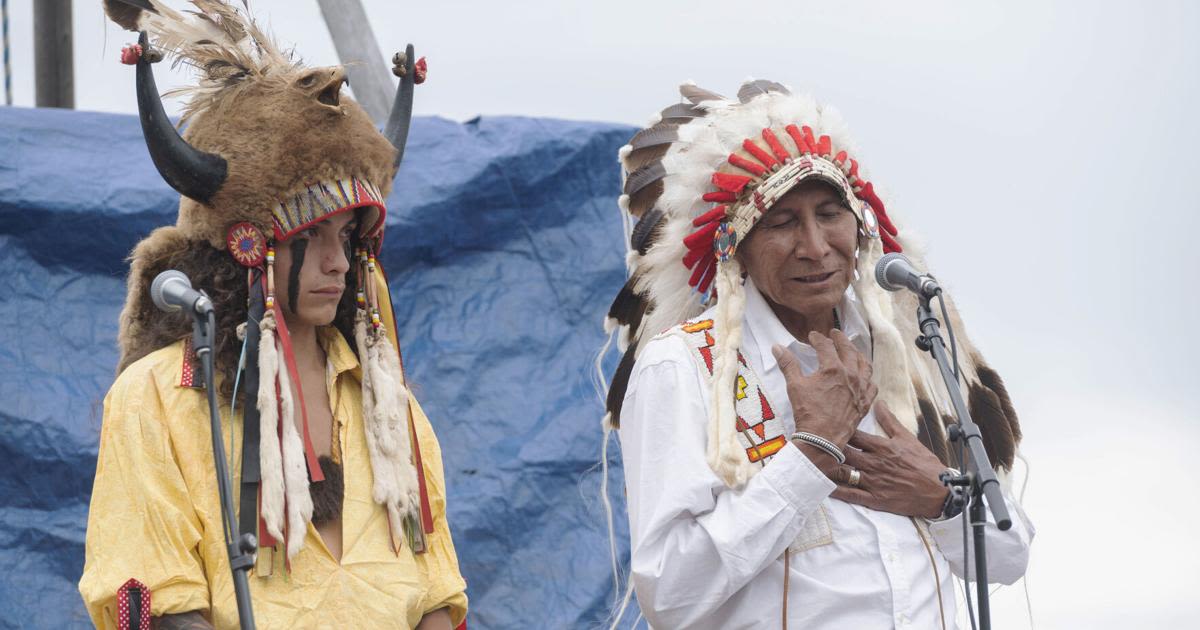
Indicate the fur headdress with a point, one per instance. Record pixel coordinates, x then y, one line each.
697 180
270 148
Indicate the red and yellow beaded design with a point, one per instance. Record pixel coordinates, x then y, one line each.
759 430
246 244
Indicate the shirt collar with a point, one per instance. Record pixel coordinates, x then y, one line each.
338 354
762 328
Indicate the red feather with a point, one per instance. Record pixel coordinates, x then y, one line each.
889 244
759 154
693 256
824 146
730 182
702 237
699 270
720 195
747 165
776 146
808 138
712 215
794 132
709 273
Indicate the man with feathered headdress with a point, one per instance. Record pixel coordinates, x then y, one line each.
338 472
765 484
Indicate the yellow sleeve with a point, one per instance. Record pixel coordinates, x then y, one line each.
445 586
141 522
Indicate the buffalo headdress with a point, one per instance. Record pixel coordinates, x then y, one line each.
269 148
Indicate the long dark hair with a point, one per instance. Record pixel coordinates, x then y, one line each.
225 281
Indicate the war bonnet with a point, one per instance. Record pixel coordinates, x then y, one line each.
696 181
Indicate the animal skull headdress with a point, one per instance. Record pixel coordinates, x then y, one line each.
272 147
697 180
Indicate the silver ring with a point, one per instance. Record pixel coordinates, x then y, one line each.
855 478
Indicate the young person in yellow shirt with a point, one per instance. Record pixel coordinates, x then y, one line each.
336 469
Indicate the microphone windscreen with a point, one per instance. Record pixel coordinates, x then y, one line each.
881 270
158 287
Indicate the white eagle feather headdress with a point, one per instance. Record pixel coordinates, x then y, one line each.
696 181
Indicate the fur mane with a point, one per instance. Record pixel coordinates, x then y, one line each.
223 44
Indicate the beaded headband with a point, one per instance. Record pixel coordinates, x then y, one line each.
772 172
315 202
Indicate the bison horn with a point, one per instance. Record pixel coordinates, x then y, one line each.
191 172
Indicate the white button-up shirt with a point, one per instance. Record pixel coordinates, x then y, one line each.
706 556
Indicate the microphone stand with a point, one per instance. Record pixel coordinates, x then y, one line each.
979 481
241 551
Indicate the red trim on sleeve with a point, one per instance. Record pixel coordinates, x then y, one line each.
143 621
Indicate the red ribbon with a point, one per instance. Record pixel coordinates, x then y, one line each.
314 467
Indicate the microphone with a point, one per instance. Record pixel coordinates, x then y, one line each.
894 272
172 291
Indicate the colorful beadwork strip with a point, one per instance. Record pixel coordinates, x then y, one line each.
760 432
316 201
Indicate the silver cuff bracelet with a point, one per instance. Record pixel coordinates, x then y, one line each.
821 443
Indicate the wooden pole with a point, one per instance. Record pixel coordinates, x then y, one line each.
54 70
7 65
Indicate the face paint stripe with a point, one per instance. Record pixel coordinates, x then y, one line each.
299 247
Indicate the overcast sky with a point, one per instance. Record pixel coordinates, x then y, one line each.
1046 151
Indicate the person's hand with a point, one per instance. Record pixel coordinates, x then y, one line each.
831 401
897 473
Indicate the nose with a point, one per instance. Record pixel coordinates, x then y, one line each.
811 242
334 259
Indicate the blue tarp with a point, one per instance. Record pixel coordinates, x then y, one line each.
503 250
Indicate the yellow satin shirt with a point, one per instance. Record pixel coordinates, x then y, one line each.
155 514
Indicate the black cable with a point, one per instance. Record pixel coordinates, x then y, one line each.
962 462
962 441
950 331
214 411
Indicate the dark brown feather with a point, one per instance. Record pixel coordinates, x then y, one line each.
644 176
648 155
930 433
662 133
620 383
987 412
125 13
992 381
628 307
681 113
645 233
644 199
696 94
753 88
